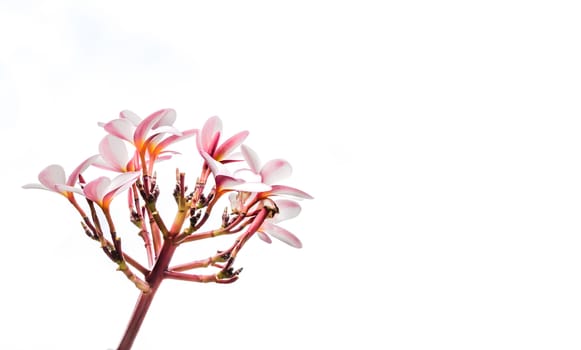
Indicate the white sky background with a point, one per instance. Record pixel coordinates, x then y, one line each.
440 141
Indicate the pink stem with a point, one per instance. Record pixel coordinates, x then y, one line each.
144 301
137 318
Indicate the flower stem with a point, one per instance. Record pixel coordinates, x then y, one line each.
137 318
144 301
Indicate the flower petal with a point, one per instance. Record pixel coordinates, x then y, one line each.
66 188
247 175
275 170
287 210
51 176
172 139
131 116
264 237
123 180
251 187
36 186
96 189
114 152
210 133
281 234
159 118
226 182
234 199
251 158
119 184
122 128
167 129
72 180
103 164
165 155
229 145
233 157
152 141
168 117
281 190
216 167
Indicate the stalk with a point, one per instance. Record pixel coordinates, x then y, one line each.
144 301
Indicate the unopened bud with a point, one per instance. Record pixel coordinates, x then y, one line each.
225 217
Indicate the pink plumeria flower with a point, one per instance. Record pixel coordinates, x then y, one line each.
157 144
53 176
226 181
159 123
124 126
270 173
131 128
209 138
113 156
148 135
102 190
287 210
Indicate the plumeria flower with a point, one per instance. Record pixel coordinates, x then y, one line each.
267 174
102 190
148 135
124 126
160 121
270 173
53 177
226 181
286 209
209 138
131 128
156 147
113 156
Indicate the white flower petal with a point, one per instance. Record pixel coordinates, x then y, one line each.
67 188
211 129
168 117
275 170
251 187
95 190
122 128
247 175
131 116
123 180
114 152
287 210
36 186
263 236
52 175
281 234
251 158
281 190
74 176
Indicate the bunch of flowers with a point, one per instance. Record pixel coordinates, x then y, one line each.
132 147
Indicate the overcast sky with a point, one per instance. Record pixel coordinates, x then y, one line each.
439 139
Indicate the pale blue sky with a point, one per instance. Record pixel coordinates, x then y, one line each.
440 141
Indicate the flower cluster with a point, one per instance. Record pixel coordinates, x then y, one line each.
131 147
